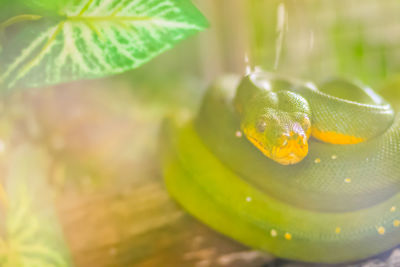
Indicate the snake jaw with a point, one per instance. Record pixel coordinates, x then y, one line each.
259 145
292 148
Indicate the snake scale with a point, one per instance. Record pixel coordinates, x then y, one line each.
314 202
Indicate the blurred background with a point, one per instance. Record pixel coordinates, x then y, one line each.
103 135
308 39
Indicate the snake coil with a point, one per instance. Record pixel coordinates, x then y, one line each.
340 203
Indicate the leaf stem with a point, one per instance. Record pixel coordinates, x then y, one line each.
3 197
18 19
107 18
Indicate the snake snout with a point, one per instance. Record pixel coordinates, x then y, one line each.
292 149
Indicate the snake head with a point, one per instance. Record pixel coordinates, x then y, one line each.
280 129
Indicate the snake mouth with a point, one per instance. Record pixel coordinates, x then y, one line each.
291 151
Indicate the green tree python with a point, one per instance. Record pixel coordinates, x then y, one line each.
305 172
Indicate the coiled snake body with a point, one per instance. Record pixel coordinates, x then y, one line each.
338 202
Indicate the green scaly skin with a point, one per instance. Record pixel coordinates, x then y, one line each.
340 203
275 120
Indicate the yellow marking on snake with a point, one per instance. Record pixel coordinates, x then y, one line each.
290 154
293 152
338 230
288 236
381 230
336 138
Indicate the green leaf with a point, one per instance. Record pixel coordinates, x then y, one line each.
32 234
95 38
42 7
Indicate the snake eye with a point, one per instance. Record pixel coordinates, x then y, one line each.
261 125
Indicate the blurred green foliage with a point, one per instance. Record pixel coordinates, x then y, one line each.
321 39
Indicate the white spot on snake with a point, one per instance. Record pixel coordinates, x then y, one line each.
249 199
317 160
238 134
333 157
274 233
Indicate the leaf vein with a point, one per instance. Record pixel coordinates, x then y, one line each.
42 52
